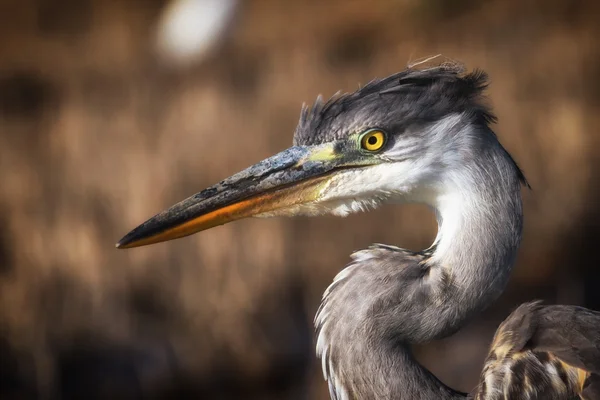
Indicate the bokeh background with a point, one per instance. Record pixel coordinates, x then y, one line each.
111 110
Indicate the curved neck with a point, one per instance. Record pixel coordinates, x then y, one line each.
480 223
388 298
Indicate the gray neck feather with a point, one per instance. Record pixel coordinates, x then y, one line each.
388 298
480 218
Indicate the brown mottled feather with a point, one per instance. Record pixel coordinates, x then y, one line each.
544 353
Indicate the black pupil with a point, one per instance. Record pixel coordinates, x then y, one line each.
372 140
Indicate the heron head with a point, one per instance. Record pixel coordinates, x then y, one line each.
391 140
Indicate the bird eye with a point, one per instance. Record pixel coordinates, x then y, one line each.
372 140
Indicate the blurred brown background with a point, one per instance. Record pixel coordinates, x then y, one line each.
101 127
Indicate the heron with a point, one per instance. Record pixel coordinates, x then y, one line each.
422 135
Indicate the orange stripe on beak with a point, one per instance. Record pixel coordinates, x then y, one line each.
300 193
292 177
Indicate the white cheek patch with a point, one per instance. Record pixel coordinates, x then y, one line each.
353 206
406 173
355 191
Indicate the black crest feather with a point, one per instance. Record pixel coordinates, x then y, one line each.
411 96
415 96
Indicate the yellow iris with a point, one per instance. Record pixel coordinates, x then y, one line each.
372 140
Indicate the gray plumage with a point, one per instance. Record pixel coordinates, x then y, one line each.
406 98
423 136
388 298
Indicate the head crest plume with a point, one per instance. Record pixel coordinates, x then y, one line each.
417 94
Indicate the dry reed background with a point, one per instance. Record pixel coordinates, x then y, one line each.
96 135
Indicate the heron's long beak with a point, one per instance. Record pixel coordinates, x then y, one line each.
294 176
